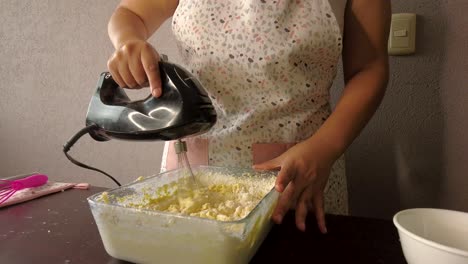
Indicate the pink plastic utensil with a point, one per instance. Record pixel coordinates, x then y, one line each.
8 188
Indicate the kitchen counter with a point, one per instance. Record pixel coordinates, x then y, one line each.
59 228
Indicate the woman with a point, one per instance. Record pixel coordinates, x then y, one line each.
268 67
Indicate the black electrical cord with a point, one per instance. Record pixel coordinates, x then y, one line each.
73 140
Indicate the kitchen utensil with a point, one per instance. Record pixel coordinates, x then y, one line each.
19 176
8 188
184 109
433 236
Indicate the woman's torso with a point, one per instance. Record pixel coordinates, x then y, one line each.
267 66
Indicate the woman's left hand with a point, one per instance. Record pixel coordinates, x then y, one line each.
304 171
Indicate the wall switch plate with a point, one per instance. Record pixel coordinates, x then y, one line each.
402 39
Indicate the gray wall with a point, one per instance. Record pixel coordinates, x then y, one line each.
413 153
52 54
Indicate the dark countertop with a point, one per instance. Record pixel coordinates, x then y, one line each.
59 228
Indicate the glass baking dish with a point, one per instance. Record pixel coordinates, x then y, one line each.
147 236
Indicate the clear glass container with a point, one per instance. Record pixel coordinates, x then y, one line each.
148 236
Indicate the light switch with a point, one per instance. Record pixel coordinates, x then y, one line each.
402 39
400 33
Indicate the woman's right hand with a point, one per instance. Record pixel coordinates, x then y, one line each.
135 65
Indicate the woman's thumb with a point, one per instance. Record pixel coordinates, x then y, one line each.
272 164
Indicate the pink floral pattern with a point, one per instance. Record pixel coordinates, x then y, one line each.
267 66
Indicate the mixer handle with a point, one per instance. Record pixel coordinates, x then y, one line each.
111 93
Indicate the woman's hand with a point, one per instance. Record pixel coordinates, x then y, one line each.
135 65
303 175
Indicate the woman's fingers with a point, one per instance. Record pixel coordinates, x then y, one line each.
284 184
303 207
127 76
285 176
112 65
300 185
311 201
273 164
137 71
135 65
284 203
149 60
301 214
320 212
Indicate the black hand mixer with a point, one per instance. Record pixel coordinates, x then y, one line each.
184 109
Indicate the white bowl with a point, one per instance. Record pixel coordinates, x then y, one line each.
433 235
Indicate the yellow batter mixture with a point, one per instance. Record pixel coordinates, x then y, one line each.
214 196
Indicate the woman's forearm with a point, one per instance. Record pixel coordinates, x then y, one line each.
125 25
359 101
138 19
365 68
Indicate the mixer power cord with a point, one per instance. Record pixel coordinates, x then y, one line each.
72 142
